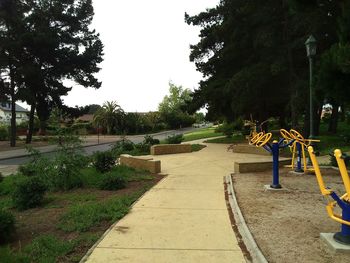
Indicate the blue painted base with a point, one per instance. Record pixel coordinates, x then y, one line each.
299 170
275 186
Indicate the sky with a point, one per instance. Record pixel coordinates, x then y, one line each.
146 45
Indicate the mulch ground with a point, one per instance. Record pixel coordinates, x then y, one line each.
287 224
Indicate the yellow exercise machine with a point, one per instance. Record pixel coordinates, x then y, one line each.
298 149
343 201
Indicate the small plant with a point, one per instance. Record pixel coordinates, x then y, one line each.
175 139
124 145
143 148
226 128
4 133
150 140
48 248
28 193
103 161
112 181
7 225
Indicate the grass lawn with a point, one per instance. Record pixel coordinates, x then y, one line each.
201 134
70 222
226 140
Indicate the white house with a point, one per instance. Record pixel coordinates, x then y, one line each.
5 113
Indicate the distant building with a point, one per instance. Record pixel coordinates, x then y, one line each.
5 113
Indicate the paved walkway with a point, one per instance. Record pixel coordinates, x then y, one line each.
182 219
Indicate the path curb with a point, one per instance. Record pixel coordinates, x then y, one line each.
254 250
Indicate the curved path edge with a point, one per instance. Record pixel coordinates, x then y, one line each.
248 239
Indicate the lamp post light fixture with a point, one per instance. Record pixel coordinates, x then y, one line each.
311 52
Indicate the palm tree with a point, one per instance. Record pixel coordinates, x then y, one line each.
110 116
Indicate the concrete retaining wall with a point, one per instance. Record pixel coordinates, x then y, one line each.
170 149
143 163
250 167
246 148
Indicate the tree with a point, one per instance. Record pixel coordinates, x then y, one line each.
12 29
110 116
62 46
252 56
172 107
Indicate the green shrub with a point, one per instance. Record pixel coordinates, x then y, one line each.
150 140
238 124
123 145
48 248
112 181
226 128
7 225
103 161
4 133
28 193
175 139
9 256
143 148
36 165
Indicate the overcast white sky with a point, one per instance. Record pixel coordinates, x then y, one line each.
146 46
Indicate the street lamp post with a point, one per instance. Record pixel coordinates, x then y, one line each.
311 52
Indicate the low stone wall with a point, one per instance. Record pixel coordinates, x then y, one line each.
250 167
144 163
170 149
246 148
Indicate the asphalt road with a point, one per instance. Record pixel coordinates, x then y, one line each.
89 150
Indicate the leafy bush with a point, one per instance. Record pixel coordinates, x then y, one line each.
226 128
175 139
103 161
123 145
112 181
7 225
150 140
238 124
48 248
37 164
9 256
4 133
63 171
143 148
28 193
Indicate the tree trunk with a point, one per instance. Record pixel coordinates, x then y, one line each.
42 130
317 121
333 122
30 125
13 108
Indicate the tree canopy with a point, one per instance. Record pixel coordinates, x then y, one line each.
253 58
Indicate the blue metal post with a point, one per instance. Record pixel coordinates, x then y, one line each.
275 153
343 237
299 150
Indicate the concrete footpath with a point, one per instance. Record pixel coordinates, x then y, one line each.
182 219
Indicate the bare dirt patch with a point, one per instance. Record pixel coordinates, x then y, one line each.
287 224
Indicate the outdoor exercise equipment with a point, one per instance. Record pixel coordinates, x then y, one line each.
262 140
343 202
298 149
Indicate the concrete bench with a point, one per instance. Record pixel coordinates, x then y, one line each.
257 166
144 163
251 149
160 149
